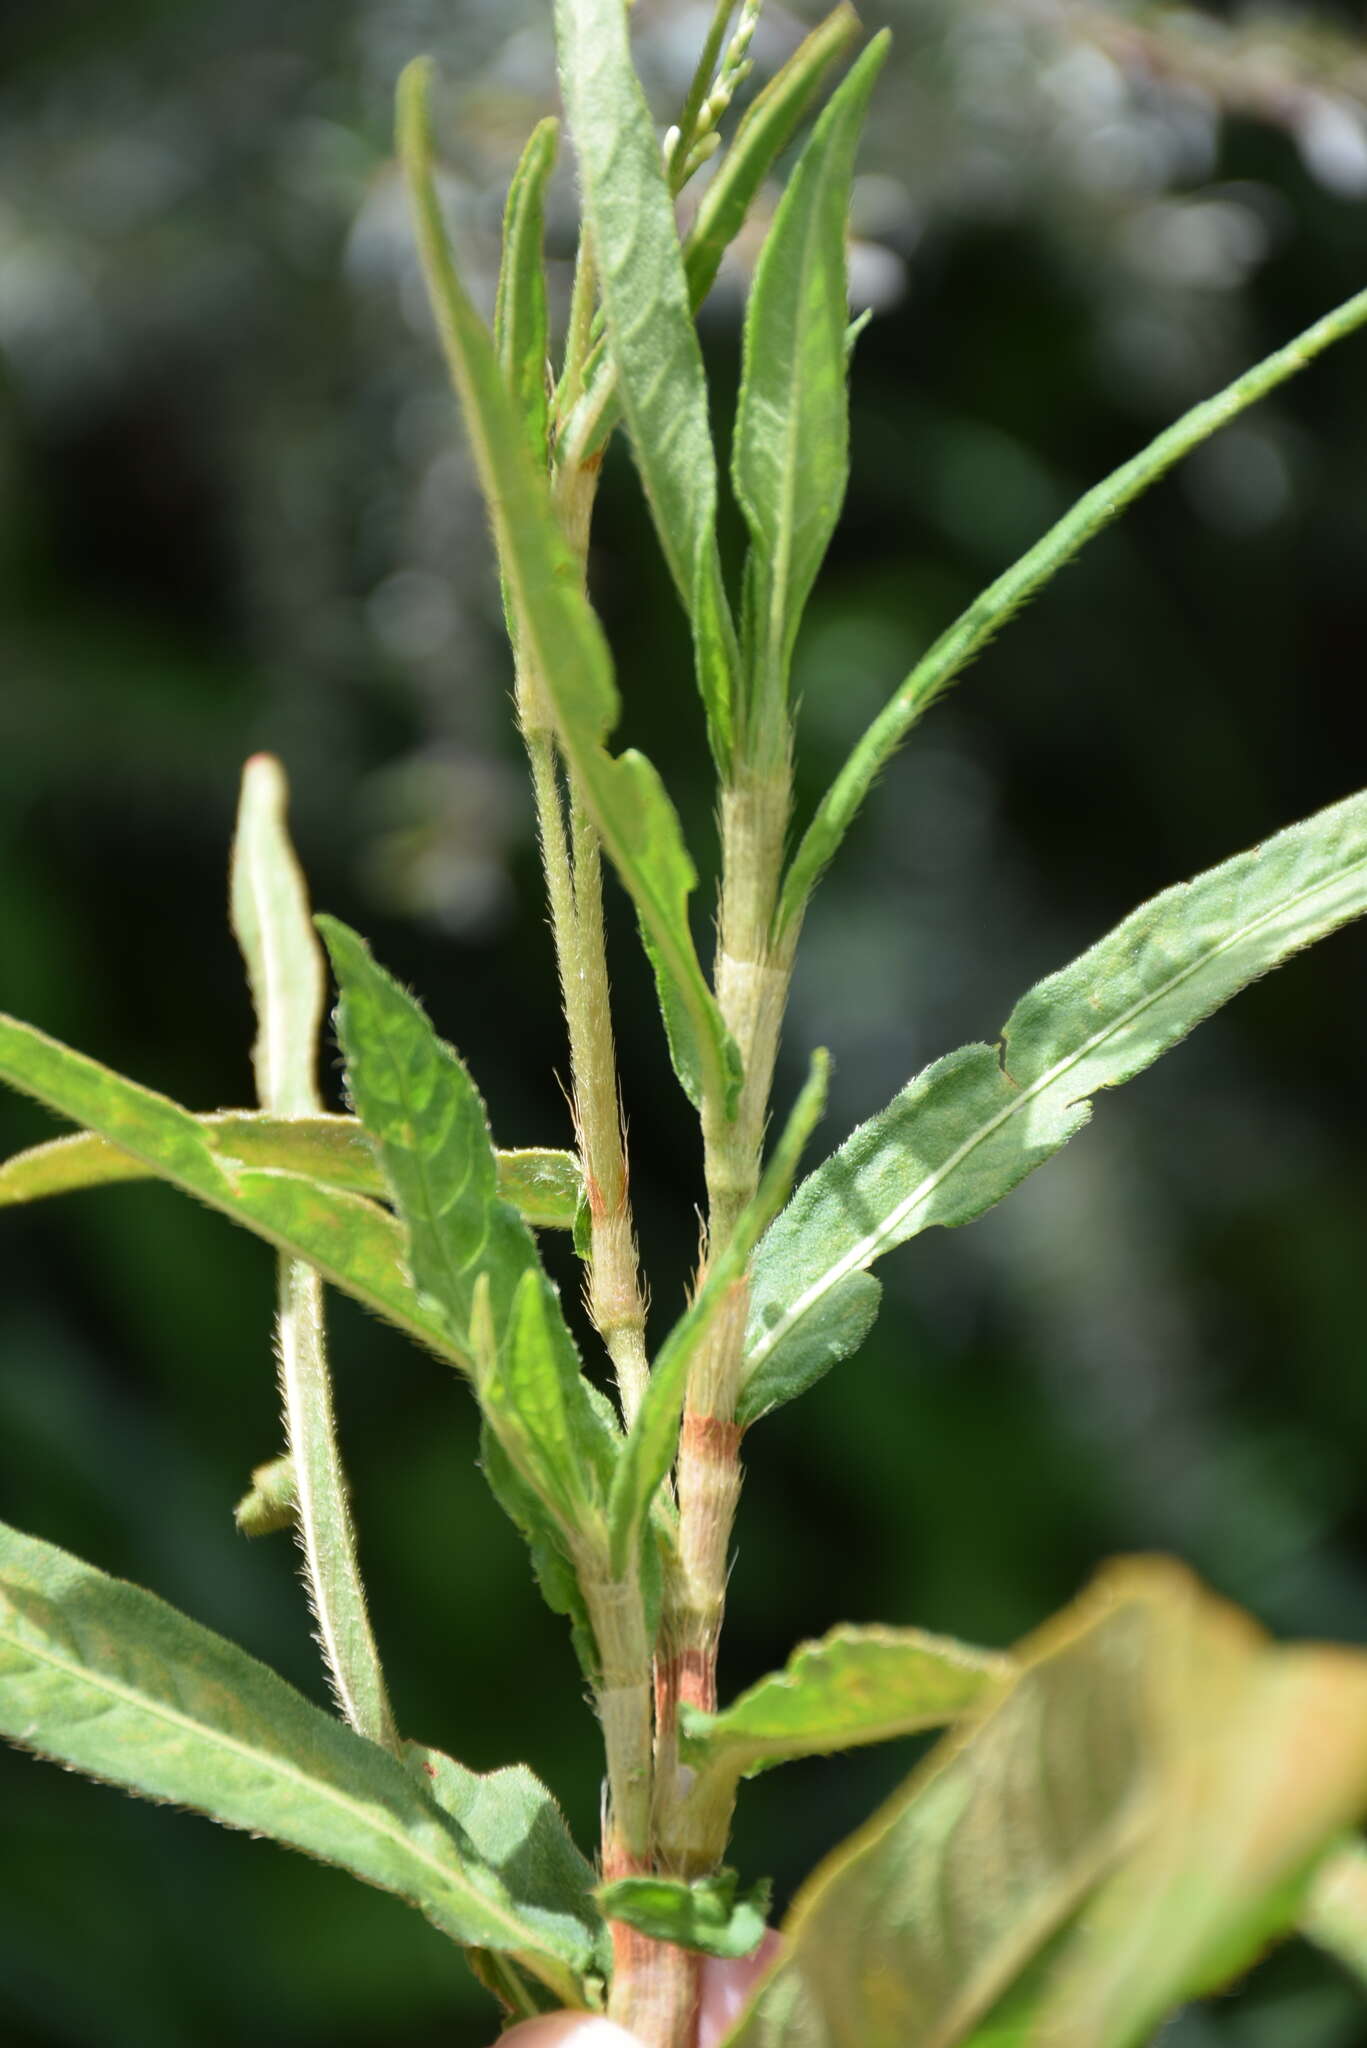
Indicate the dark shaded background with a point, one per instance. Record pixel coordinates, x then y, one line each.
235 512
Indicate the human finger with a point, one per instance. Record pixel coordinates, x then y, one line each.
568 2030
725 1987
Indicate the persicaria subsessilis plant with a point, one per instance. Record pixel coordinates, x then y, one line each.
1124 1809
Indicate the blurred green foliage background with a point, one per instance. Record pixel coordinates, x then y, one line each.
236 512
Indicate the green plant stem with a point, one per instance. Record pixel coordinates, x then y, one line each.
654 1984
752 977
326 1535
572 863
574 891
616 1301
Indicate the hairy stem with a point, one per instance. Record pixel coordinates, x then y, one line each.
270 915
616 1300
752 977
326 1537
654 1984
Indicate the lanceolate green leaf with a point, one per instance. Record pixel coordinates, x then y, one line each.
352 1242
971 631
964 1132
429 1128
764 132
561 642
520 321
543 1185
856 1685
790 461
109 1680
1103 1777
651 338
470 1253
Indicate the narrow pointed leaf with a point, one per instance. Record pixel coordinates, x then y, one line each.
763 133
651 339
971 631
352 1242
520 319
543 1185
857 1685
967 1129
984 1886
269 905
516 1828
790 461
705 1915
561 643
469 1252
109 1680
653 1439
428 1124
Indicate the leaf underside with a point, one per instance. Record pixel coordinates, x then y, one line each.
965 1131
1121 1828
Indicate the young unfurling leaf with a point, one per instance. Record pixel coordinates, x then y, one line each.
520 319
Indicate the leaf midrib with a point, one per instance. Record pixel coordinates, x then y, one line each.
451 1878
862 1254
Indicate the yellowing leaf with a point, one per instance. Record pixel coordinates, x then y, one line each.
1101 1840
